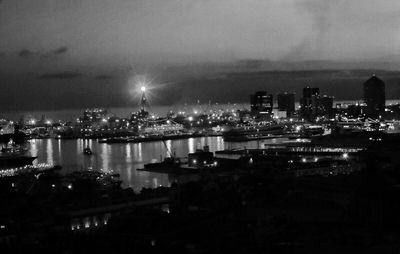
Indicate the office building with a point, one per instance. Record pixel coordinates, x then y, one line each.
325 106
286 102
309 102
261 103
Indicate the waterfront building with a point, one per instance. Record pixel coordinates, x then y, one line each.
393 111
94 115
164 128
6 127
202 158
286 102
356 110
374 97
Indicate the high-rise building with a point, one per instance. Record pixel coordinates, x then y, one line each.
286 102
261 103
313 105
325 106
308 92
374 97
309 102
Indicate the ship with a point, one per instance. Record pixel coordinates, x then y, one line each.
87 151
13 155
200 160
167 165
255 132
170 162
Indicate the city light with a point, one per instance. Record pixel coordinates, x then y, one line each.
140 84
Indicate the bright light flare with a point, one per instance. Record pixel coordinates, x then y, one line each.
143 89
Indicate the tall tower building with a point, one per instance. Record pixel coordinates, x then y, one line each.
309 102
325 106
308 92
142 115
286 102
143 100
374 97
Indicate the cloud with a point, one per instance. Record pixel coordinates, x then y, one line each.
300 51
343 29
25 53
103 77
61 75
60 51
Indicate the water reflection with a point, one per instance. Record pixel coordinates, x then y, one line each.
104 156
59 152
139 146
170 150
191 145
122 158
128 153
50 152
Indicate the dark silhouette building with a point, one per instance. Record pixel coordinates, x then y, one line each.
261 103
309 102
313 105
309 92
374 97
325 106
286 102
356 110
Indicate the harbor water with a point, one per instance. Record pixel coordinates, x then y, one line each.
126 158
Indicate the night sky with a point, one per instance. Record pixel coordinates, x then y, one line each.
57 54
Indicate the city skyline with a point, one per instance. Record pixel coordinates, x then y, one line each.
199 126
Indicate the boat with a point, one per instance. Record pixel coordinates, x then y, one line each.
148 138
87 151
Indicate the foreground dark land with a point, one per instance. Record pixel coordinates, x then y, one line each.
250 209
